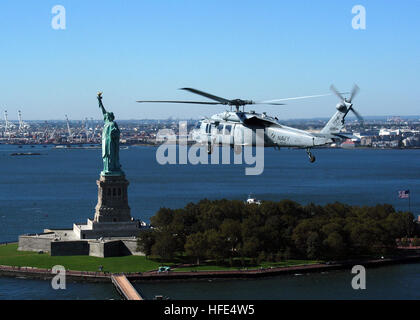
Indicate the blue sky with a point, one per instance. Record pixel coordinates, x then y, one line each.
235 49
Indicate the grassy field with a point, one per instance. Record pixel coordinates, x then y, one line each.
9 256
265 265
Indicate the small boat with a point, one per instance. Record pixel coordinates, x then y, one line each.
25 154
77 147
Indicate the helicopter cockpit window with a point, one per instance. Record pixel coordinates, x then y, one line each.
228 128
220 128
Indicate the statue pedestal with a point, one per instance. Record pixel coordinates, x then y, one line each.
112 212
112 200
97 230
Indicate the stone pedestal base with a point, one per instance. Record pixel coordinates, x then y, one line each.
112 232
112 200
97 230
64 243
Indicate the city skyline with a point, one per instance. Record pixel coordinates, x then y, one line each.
255 51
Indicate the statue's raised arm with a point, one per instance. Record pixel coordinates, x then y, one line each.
100 102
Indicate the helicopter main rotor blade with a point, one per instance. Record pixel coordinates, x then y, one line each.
271 103
172 101
338 94
208 95
358 116
296 98
354 92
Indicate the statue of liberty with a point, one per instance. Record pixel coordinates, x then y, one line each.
110 143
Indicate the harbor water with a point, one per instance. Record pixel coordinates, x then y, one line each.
57 188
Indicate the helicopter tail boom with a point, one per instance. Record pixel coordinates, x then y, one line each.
336 123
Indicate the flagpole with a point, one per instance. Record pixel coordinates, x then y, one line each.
409 202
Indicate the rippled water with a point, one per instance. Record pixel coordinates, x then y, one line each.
391 282
58 188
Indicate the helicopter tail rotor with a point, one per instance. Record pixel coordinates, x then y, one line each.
347 102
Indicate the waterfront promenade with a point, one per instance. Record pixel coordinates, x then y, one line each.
177 274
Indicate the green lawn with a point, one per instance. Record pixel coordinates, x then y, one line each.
209 267
11 257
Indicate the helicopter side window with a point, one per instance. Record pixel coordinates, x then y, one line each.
220 129
228 128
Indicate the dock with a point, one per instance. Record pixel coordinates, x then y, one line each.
125 288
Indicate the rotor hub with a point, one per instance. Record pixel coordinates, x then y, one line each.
240 102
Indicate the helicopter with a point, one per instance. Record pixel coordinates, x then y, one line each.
239 128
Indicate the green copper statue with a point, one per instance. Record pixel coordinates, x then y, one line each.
110 143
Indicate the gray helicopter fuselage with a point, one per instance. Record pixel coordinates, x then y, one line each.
241 129
258 129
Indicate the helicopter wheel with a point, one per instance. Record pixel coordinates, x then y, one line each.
209 148
310 155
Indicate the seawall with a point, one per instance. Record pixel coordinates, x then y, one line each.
89 276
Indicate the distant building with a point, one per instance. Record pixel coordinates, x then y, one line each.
366 141
411 142
348 144
252 200
389 132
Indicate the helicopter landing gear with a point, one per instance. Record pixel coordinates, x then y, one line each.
310 155
209 148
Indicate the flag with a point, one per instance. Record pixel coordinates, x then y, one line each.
404 194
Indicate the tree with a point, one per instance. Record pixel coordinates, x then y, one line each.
231 232
313 246
165 245
366 237
196 246
335 246
408 223
250 248
162 218
222 229
217 246
301 234
145 241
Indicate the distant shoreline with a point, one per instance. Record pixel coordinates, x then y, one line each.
191 143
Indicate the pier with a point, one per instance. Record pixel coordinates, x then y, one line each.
125 288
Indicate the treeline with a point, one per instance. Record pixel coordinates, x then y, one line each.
273 231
